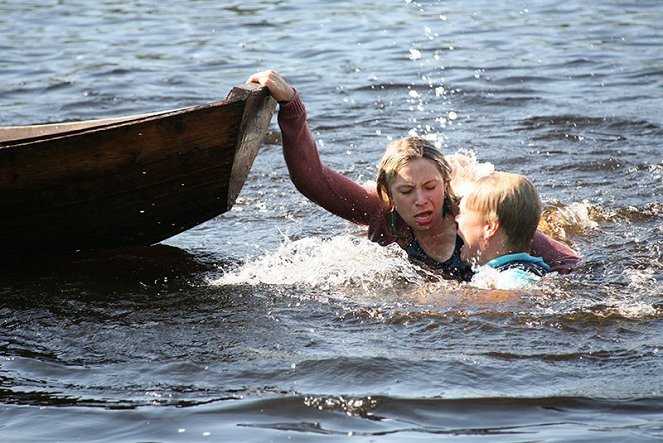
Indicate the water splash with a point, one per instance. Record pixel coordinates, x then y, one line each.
362 407
561 220
466 170
489 278
635 301
415 54
342 261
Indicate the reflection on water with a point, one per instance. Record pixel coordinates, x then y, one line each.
279 321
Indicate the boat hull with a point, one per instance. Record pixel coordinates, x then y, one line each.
136 181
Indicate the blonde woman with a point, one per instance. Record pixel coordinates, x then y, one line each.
411 204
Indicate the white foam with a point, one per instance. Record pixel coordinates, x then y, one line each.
490 278
339 262
578 215
466 170
632 303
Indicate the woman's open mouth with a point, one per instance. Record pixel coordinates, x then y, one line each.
424 218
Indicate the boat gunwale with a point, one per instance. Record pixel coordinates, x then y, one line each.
73 128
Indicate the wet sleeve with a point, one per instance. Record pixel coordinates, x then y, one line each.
315 180
559 256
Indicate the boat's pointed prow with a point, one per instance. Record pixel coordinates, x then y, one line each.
125 181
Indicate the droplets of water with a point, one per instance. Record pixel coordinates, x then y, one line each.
466 170
342 261
636 300
415 54
362 407
562 221
428 99
489 278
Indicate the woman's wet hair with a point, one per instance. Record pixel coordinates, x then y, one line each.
398 153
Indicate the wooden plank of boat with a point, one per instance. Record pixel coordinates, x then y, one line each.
126 181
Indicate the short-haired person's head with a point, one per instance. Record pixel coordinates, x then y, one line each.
511 200
401 152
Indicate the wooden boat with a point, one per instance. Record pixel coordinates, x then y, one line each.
126 181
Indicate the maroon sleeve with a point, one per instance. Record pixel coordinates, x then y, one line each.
559 256
333 191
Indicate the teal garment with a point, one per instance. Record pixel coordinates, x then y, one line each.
518 270
521 260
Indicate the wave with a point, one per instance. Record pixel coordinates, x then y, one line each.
344 417
562 220
577 128
366 282
530 418
343 261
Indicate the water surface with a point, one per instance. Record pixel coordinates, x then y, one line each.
277 321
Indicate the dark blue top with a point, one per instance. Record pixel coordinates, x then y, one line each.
454 267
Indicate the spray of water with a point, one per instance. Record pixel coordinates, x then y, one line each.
343 261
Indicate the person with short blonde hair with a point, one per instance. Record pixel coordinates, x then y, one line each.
497 221
410 204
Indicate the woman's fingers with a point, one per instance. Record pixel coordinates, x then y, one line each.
277 86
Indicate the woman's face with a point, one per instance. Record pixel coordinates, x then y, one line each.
418 193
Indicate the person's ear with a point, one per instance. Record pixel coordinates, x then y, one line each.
490 228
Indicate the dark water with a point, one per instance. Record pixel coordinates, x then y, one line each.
279 322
